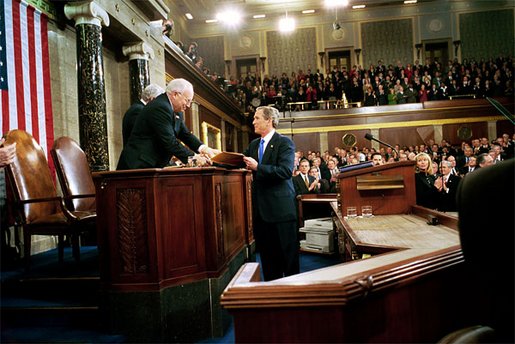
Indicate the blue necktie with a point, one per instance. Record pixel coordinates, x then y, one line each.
261 149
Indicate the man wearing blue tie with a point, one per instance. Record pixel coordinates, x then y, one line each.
271 159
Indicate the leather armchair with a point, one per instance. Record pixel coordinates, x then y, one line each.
39 210
74 175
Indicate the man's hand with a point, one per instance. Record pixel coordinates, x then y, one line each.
209 152
251 163
202 160
7 153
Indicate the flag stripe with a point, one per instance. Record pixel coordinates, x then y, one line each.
25 97
45 100
18 66
32 75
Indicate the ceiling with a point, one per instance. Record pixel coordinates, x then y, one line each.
207 9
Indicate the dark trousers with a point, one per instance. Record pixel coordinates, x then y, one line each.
278 246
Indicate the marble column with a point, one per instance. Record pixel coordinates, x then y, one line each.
139 75
89 18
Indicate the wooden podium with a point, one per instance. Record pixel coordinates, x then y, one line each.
169 242
389 189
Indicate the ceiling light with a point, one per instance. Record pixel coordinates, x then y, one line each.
356 7
189 16
229 17
286 24
212 21
336 3
406 2
308 11
259 16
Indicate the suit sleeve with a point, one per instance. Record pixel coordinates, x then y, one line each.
162 126
188 138
282 170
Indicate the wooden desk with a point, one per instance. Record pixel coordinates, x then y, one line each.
414 294
359 237
169 240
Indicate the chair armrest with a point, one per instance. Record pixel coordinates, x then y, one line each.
79 196
39 200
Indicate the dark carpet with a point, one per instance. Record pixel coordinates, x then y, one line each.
34 310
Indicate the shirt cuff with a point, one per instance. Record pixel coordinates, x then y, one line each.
201 148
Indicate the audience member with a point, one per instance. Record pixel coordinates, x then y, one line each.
149 93
447 185
494 290
377 159
426 192
323 185
303 182
484 160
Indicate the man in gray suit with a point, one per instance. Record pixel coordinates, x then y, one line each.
271 160
158 129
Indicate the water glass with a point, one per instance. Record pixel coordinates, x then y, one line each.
366 211
352 212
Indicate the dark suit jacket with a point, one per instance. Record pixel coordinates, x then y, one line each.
447 200
300 185
155 137
273 195
129 119
493 184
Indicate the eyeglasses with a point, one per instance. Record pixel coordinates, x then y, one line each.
188 100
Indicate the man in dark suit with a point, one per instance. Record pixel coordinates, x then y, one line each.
303 182
273 197
148 94
491 268
448 186
158 129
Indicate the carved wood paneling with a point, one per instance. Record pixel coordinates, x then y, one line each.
132 231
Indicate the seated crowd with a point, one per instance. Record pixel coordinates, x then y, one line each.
439 167
379 84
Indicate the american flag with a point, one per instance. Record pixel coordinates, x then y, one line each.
25 100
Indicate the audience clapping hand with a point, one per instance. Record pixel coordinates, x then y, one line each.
7 153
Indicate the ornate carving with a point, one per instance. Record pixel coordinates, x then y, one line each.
219 220
132 230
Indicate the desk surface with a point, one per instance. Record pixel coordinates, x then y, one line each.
403 231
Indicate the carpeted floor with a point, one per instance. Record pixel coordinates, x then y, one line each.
33 311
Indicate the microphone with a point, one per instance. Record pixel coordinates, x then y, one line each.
370 137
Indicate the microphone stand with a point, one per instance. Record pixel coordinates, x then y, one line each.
372 138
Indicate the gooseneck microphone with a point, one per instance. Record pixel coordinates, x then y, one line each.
370 137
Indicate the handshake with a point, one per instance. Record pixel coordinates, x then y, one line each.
203 158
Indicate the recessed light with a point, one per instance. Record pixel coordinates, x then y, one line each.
406 2
211 21
356 7
308 11
259 16
189 16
